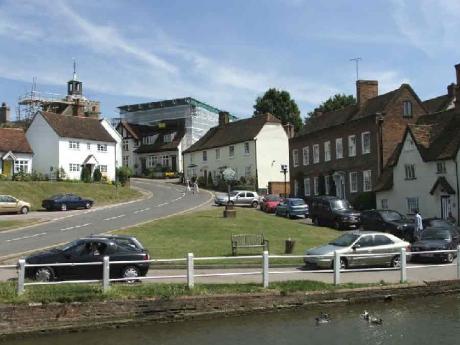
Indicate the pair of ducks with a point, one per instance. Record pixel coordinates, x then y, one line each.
325 318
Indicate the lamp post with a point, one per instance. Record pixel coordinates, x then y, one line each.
284 170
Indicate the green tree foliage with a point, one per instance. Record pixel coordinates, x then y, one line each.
97 175
85 174
280 104
123 174
336 102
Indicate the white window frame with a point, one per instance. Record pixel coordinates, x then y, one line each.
231 151
384 204
125 145
21 165
365 149
101 147
327 184
103 168
306 186
327 151
408 111
246 148
441 167
74 145
352 145
367 180
74 167
295 158
315 153
125 160
410 171
412 204
338 152
315 185
205 156
306 155
353 176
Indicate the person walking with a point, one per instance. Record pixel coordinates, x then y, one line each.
187 185
195 187
418 224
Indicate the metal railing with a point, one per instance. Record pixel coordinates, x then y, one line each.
264 272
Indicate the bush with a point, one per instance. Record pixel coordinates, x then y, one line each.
97 175
22 176
123 174
3 177
37 176
85 174
60 174
201 181
365 201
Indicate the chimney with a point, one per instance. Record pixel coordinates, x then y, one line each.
457 87
223 118
451 90
78 108
4 113
289 129
318 113
365 90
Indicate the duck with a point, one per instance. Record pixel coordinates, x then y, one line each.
371 319
322 318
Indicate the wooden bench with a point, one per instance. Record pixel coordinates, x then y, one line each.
248 241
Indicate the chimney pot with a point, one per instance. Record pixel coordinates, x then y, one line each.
365 90
4 113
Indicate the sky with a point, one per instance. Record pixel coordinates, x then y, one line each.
225 53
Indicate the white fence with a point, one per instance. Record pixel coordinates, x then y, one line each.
264 272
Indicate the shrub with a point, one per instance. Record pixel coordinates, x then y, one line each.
97 175
22 176
3 177
85 174
123 174
201 181
37 176
210 182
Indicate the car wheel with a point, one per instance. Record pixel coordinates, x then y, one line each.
337 225
44 274
396 261
230 203
316 221
24 210
63 207
130 272
450 258
88 205
255 204
343 264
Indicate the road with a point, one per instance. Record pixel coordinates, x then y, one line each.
163 199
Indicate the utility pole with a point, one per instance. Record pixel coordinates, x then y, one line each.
356 60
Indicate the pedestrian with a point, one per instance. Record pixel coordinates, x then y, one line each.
195 187
187 185
418 224
451 219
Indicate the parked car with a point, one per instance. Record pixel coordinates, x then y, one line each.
9 204
330 210
436 238
66 202
91 249
269 203
292 207
438 223
389 221
121 239
238 197
359 242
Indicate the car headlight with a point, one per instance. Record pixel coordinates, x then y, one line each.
400 227
345 218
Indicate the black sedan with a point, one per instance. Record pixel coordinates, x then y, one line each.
436 238
85 250
66 202
388 221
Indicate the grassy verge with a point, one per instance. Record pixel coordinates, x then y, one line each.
11 224
35 191
89 293
207 233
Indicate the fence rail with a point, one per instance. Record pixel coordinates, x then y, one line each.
265 272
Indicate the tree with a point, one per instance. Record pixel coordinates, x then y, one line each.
336 102
85 174
97 175
280 104
123 174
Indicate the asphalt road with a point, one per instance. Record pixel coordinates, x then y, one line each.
163 199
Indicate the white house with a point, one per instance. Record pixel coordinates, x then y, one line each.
424 173
15 152
255 148
71 142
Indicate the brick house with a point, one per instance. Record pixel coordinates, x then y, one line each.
343 152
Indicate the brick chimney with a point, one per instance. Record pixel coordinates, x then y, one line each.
457 87
4 113
366 89
224 118
289 129
451 90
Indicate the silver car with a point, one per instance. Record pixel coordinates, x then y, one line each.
359 242
238 197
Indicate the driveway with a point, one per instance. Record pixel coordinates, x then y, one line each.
163 199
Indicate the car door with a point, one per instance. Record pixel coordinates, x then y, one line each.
72 255
8 204
249 198
363 246
93 252
281 208
240 198
385 246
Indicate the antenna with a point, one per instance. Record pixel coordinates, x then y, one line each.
356 60
74 69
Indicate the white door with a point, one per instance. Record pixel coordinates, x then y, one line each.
446 207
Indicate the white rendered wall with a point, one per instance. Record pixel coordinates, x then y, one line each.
117 137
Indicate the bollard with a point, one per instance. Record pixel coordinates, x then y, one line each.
265 269
190 273
21 276
336 268
458 262
403 265
105 274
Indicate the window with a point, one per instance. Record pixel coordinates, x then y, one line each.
327 184
351 145
353 182
296 187
382 240
367 181
74 167
410 171
103 168
88 146
74 145
338 148
306 155
384 204
167 138
166 161
327 151
102 147
205 156
231 151
316 153
191 157
407 109
412 205
315 185
125 160
125 145
366 142
149 139
217 154
246 148
21 165
306 186
441 167
295 157
247 171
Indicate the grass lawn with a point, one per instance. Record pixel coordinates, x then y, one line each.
35 191
207 233
11 224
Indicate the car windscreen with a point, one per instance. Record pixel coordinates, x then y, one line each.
439 223
340 205
70 245
345 240
390 216
436 235
57 196
272 198
296 202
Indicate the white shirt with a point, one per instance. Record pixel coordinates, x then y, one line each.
418 221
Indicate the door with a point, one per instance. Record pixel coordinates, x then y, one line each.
240 198
7 167
174 163
93 252
363 246
446 207
383 245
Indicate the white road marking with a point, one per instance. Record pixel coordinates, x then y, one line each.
112 218
165 203
26 237
75 227
143 210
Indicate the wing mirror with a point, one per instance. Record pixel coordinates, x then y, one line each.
356 246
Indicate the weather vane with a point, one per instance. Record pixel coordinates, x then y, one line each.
356 60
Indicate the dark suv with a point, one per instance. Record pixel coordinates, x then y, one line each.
332 211
389 221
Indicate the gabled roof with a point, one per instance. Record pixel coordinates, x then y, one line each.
137 131
14 140
159 145
233 132
437 104
444 184
77 127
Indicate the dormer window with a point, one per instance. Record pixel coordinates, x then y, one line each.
167 138
407 109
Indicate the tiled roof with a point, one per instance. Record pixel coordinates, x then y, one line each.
77 127
436 104
160 146
137 131
14 140
233 132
